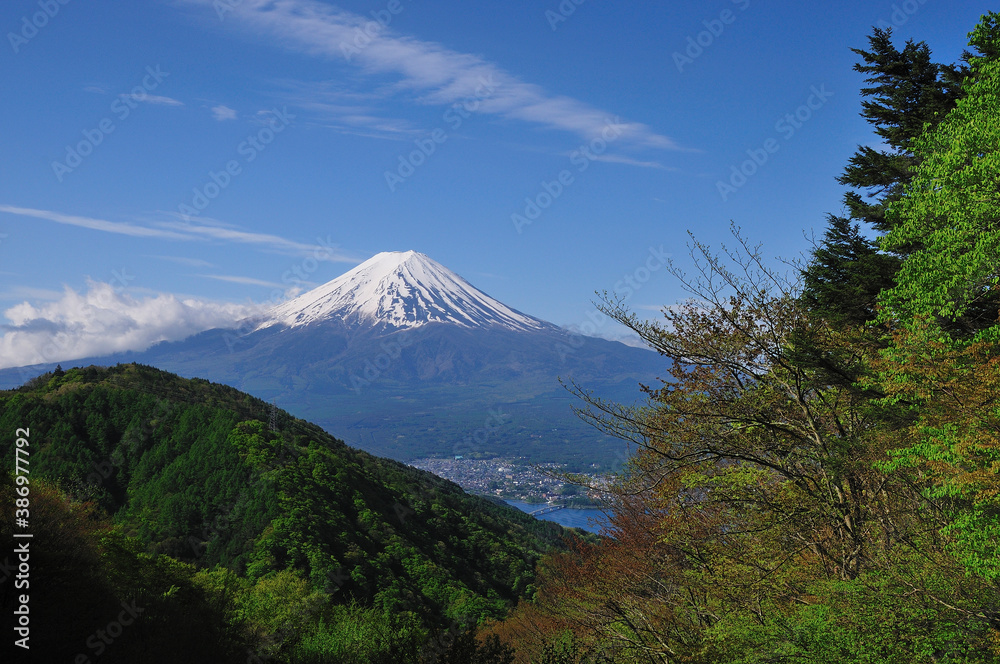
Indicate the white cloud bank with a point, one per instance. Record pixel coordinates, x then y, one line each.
103 321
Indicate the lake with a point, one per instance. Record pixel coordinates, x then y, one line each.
571 518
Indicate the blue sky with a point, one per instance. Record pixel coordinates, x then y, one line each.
167 166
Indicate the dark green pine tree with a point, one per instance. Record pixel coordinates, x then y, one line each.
907 92
846 274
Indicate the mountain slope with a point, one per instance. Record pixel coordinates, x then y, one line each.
426 391
196 472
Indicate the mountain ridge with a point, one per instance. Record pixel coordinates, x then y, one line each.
196 473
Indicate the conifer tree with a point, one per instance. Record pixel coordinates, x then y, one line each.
846 274
907 92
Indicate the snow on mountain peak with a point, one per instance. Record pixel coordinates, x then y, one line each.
400 289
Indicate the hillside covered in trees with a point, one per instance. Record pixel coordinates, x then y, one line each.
235 536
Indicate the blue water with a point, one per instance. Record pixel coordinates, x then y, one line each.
589 520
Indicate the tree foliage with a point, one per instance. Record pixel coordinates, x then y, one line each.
845 275
952 209
907 91
773 508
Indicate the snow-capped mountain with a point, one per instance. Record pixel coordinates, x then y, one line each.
404 358
400 289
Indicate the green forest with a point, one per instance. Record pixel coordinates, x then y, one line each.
242 532
817 481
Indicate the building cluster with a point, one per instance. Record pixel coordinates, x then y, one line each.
508 478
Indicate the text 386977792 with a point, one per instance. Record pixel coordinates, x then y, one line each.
21 547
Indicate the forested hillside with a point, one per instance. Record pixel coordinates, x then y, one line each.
281 539
821 483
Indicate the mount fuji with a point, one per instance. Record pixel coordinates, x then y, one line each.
403 358
400 289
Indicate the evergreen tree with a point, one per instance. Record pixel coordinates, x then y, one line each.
846 274
984 40
907 91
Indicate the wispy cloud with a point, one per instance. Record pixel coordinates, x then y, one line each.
184 260
25 292
121 228
629 161
372 132
103 320
274 242
433 73
206 231
249 281
345 111
147 98
379 124
222 113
